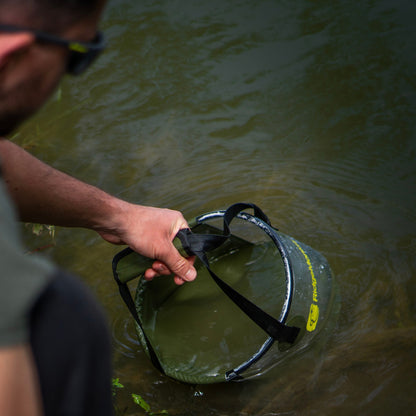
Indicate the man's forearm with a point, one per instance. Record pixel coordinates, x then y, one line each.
45 195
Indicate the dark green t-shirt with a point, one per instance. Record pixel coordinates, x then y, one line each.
22 277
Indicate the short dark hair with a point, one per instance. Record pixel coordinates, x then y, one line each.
47 15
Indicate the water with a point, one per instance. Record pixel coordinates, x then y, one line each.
304 108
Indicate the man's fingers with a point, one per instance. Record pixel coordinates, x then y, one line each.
183 268
160 268
178 280
149 274
185 272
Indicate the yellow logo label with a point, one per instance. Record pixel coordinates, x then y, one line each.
314 309
313 318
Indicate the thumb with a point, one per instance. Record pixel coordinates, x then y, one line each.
182 268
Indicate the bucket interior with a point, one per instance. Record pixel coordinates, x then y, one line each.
200 335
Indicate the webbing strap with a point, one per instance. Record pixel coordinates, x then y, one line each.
198 244
128 300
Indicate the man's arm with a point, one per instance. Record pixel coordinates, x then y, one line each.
45 195
19 387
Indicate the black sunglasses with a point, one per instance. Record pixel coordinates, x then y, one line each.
81 56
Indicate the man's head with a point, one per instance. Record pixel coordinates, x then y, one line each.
30 65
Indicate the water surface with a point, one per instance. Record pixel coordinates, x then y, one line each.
304 108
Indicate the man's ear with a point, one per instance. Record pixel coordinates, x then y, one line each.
11 43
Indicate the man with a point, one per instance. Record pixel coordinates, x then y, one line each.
54 349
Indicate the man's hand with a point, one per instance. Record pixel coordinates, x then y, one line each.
150 232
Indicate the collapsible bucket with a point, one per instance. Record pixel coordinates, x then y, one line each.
259 296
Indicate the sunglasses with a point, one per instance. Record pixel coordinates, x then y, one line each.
81 54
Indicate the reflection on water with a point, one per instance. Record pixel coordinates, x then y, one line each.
306 109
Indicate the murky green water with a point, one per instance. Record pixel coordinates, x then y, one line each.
304 108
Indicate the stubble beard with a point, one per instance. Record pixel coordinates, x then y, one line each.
18 106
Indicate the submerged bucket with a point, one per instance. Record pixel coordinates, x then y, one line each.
259 296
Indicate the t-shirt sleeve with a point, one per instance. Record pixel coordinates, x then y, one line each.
22 277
